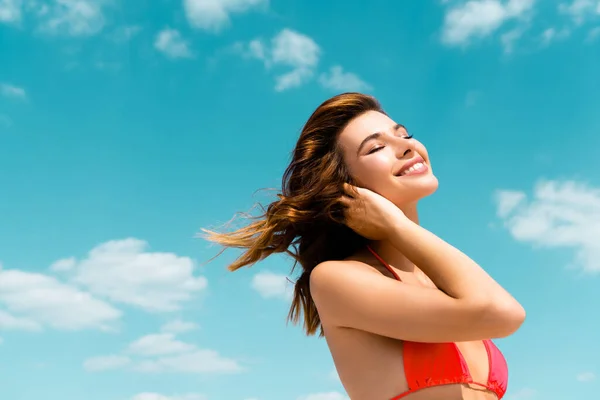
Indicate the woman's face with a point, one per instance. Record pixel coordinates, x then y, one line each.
382 157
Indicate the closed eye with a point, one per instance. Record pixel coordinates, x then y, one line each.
375 149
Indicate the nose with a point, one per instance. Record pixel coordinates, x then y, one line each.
404 147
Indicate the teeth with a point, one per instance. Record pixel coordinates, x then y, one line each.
417 166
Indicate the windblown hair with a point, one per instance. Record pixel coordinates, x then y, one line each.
307 221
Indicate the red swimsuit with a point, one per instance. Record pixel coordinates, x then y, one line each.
435 364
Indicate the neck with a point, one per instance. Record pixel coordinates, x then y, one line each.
388 252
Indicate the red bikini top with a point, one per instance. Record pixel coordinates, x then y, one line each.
435 364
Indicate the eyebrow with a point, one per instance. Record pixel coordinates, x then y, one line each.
376 135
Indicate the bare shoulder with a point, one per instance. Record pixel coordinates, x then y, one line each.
332 279
328 275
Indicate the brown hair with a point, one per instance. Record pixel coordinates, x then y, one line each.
307 221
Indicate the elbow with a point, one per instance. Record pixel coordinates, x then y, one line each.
507 315
500 318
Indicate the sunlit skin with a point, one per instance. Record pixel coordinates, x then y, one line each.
370 365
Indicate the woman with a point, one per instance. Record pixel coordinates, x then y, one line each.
405 314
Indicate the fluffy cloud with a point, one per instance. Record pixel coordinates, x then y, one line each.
288 49
552 34
342 81
198 361
295 50
10 11
124 271
38 300
324 396
10 322
172 44
70 17
163 353
270 285
480 18
158 344
157 396
12 91
559 215
214 15
580 10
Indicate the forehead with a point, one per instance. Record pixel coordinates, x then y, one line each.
363 126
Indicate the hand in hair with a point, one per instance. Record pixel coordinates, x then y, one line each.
368 213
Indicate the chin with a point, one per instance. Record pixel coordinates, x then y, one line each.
425 186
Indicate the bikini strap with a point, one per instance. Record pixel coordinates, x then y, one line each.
386 265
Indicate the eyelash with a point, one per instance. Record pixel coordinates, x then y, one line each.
376 149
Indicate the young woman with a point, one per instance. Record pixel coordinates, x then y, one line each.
405 314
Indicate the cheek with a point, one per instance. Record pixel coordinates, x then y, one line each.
373 174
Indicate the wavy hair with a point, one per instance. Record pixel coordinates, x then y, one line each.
306 221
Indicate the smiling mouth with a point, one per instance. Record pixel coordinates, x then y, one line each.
414 166
416 169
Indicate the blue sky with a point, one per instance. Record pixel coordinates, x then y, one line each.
125 128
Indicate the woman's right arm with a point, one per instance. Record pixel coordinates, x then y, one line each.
469 304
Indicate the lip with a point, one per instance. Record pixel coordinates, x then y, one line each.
410 163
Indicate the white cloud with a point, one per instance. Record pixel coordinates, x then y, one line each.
105 363
324 396
157 396
64 265
480 18
560 215
179 326
12 91
162 353
288 49
580 10
159 344
293 79
10 322
339 80
125 272
71 17
552 34
214 15
586 377
40 300
199 361
507 201
10 11
270 285
172 44
294 49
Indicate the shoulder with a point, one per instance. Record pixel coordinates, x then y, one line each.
332 276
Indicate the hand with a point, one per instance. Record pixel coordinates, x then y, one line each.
368 213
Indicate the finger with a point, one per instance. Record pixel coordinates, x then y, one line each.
350 190
346 200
